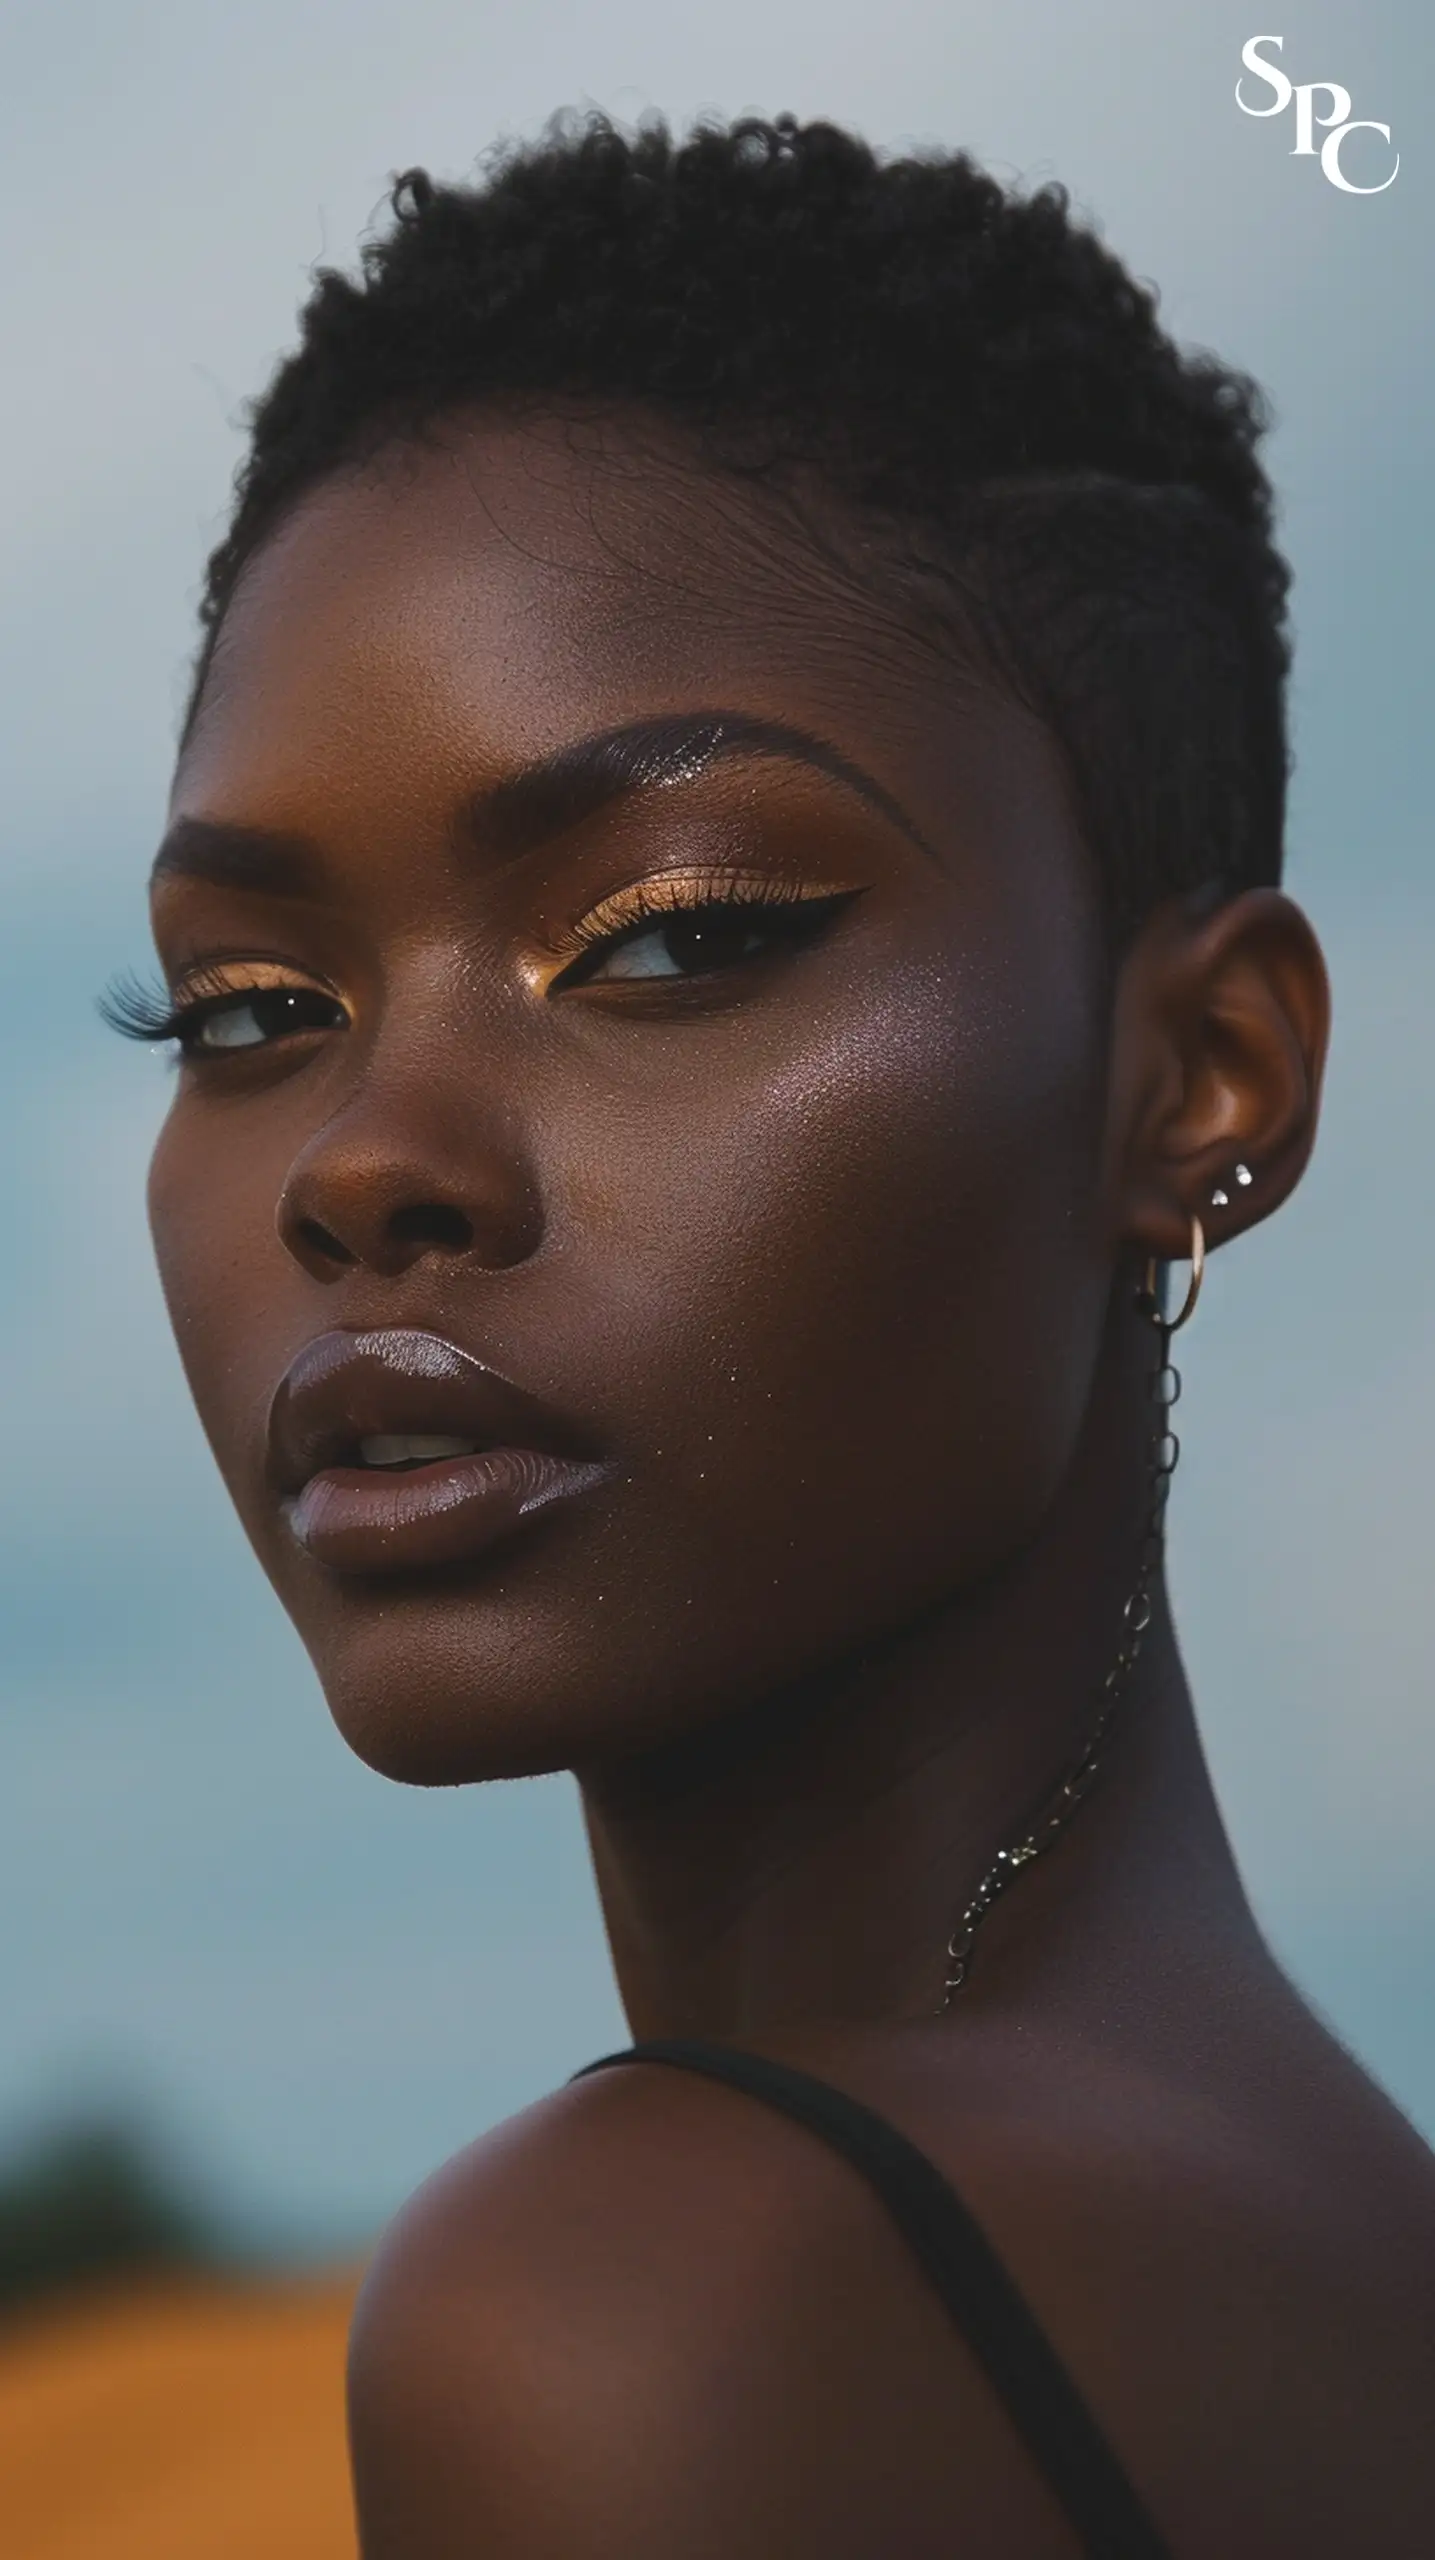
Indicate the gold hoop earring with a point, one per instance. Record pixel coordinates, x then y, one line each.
1150 1291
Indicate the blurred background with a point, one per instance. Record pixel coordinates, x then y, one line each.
250 1993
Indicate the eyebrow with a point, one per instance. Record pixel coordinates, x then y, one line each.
267 861
514 816
522 811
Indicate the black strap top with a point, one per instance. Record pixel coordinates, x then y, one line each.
957 2258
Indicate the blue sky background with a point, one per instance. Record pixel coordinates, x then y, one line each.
208 1911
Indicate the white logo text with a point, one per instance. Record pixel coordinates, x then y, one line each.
1334 125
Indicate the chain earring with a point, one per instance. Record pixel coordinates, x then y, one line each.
1163 1450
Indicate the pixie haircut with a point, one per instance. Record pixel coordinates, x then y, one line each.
966 368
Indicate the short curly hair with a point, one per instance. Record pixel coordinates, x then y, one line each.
965 363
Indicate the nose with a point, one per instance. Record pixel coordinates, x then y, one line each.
387 1184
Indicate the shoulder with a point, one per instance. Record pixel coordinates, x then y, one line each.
534 2339
644 2316
624 2175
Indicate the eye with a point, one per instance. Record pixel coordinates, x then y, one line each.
701 939
253 1017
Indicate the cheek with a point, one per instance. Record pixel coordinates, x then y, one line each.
870 1293
227 1283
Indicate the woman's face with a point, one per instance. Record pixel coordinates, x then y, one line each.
650 1044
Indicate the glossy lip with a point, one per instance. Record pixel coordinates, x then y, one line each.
343 1386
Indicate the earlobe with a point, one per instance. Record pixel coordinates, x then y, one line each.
1219 1046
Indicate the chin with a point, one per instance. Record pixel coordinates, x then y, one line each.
434 1682
440 1741
418 1705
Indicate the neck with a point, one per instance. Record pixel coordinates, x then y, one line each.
804 1862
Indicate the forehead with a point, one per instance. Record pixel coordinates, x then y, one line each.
458 606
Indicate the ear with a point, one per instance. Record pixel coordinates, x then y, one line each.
1218 1047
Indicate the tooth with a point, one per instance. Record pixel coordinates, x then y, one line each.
412 1448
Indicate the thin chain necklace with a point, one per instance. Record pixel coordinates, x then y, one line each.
1072 1788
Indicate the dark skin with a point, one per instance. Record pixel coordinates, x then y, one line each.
831 1248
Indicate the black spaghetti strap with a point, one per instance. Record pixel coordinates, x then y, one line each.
1033 2385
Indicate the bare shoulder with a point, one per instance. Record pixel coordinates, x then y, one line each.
646 2316
499 2336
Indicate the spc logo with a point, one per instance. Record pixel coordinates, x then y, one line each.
1335 126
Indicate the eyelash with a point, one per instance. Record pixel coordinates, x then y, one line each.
632 912
140 1011
149 1012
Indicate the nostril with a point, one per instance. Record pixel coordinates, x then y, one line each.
432 1222
374 1235
321 1240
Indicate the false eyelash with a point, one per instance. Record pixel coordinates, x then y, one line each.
658 899
139 1009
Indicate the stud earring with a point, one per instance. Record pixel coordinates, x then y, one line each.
1221 1199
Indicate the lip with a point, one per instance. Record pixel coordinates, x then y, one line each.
344 1387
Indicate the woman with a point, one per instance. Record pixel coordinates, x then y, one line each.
721 922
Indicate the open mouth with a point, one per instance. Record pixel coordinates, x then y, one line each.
394 1450
407 1449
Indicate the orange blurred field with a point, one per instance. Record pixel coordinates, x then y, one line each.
201 2423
